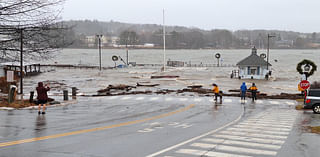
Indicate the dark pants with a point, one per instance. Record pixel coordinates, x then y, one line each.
243 95
216 95
254 96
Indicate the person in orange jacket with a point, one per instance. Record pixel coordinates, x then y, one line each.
216 92
253 90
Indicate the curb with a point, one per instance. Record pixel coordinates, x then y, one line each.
64 103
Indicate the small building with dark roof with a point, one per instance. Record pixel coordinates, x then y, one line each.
253 67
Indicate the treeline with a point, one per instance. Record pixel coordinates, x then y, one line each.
190 38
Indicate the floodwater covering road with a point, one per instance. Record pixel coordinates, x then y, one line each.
154 125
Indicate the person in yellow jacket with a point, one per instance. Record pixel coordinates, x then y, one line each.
253 90
216 92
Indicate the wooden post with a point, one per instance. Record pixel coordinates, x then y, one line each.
65 95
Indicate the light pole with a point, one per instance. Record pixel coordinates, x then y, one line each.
99 42
306 69
269 36
21 61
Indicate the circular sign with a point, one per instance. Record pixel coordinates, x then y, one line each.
115 58
217 55
304 84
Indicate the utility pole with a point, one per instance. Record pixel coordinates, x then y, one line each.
21 60
127 48
164 44
269 36
99 42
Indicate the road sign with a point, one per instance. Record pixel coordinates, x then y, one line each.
304 84
10 76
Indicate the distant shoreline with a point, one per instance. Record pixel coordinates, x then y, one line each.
160 48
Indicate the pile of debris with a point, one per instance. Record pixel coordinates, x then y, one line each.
126 90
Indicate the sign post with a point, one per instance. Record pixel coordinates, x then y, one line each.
10 76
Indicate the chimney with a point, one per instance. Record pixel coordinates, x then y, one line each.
254 51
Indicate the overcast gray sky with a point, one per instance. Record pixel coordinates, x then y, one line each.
292 15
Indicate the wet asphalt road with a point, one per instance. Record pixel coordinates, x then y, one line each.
150 125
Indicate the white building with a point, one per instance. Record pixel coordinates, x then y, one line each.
253 67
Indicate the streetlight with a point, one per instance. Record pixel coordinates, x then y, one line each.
269 36
306 69
99 36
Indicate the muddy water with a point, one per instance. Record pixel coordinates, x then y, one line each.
285 77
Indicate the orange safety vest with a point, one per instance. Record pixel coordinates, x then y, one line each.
215 89
253 88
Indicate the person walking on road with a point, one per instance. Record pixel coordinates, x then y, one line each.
253 90
243 90
216 93
42 97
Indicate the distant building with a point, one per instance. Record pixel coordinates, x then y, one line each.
253 67
284 43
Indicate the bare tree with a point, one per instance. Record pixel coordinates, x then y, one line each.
31 27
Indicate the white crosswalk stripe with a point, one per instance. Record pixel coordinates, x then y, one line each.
250 139
245 150
113 97
169 99
290 103
208 154
260 131
254 135
227 100
241 143
183 99
126 98
197 99
274 102
140 98
154 98
262 128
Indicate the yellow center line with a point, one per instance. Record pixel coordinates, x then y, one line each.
4 144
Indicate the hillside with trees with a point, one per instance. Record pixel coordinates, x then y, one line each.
179 37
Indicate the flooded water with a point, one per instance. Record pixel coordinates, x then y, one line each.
285 77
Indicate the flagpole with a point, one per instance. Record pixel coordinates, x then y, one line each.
164 44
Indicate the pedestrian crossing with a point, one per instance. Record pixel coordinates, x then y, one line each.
197 100
251 137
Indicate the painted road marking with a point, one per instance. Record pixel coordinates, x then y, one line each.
249 144
262 128
259 130
290 103
204 145
140 98
259 101
126 98
250 139
274 102
254 135
270 125
113 97
196 138
285 123
206 153
168 99
227 100
197 99
154 98
4 144
183 99
245 150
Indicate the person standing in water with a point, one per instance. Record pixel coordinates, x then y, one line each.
42 97
253 90
243 90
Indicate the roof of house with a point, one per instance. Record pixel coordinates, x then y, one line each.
253 60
